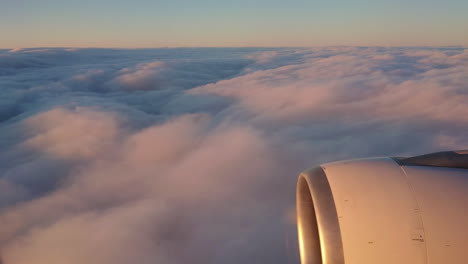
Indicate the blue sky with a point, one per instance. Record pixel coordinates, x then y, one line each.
175 23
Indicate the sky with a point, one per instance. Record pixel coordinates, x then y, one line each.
191 155
223 23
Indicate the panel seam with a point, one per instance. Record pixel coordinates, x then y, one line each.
413 193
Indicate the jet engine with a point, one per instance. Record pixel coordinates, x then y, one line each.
385 211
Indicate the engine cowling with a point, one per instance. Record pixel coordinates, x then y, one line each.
385 211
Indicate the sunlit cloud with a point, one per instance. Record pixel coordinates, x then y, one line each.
191 155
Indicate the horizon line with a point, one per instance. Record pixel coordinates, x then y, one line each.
235 47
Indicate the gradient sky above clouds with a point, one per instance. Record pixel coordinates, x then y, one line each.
161 23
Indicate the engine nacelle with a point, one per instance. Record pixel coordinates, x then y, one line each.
385 211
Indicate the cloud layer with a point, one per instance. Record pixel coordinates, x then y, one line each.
191 155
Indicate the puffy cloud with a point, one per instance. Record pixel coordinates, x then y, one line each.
191 155
359 81
144 77
65 134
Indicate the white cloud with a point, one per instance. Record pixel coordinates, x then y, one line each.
191 155
66 134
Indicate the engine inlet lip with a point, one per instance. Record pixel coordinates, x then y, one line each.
323 231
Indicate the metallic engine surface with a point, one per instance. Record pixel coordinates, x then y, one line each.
385 213
325 246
